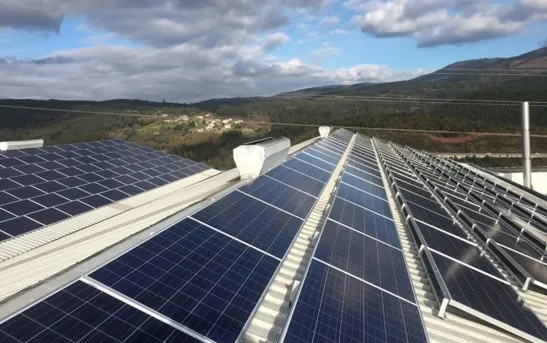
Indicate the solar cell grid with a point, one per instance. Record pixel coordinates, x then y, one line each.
364 175
316 162
489 296
280 195
19 225
364 168
365 221
252 221
81 313
461 250
364 185
6 198
297 180
24 193
365 258
364 199
306 169
74 208
335 307
195 276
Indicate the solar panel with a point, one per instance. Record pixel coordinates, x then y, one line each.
77 171
195 276
280 195
366 258
254 222
468 281
357 287
365 220
336 307
81 313
364 199
496 299
304 168
363 185
316 162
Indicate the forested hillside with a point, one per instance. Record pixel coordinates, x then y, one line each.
361 105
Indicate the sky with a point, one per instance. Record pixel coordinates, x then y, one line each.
192 50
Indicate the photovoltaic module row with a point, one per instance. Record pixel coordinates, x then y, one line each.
467 279
205 274
521 255
42 186
357 288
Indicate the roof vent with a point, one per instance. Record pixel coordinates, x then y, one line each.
324 131
256 158
17 145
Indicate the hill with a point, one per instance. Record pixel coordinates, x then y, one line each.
337 105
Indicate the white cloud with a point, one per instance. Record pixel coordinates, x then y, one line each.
329 21
438 22
326 50
275 40
185 72
182 50
340 32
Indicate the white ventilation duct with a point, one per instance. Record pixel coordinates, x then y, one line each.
256 158
14 145
324 131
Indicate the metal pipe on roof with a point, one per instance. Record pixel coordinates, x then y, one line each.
526 154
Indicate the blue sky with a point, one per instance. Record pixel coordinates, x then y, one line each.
197 50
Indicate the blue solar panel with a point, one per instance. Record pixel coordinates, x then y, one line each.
336 307
74 208
280 195
48 216
306 169
365 221
25 192
298 180
195 276
365 258
6 198
490 296
333 159
53 169
364 185
316 162
252 221
19 225
81 313
364 199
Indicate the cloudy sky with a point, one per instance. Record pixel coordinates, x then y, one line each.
189 50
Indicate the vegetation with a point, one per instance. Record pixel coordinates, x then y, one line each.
141 121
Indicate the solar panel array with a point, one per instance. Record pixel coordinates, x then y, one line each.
467 278
508 239
42 186
207 273
357 288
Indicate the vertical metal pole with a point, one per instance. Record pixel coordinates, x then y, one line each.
526 155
